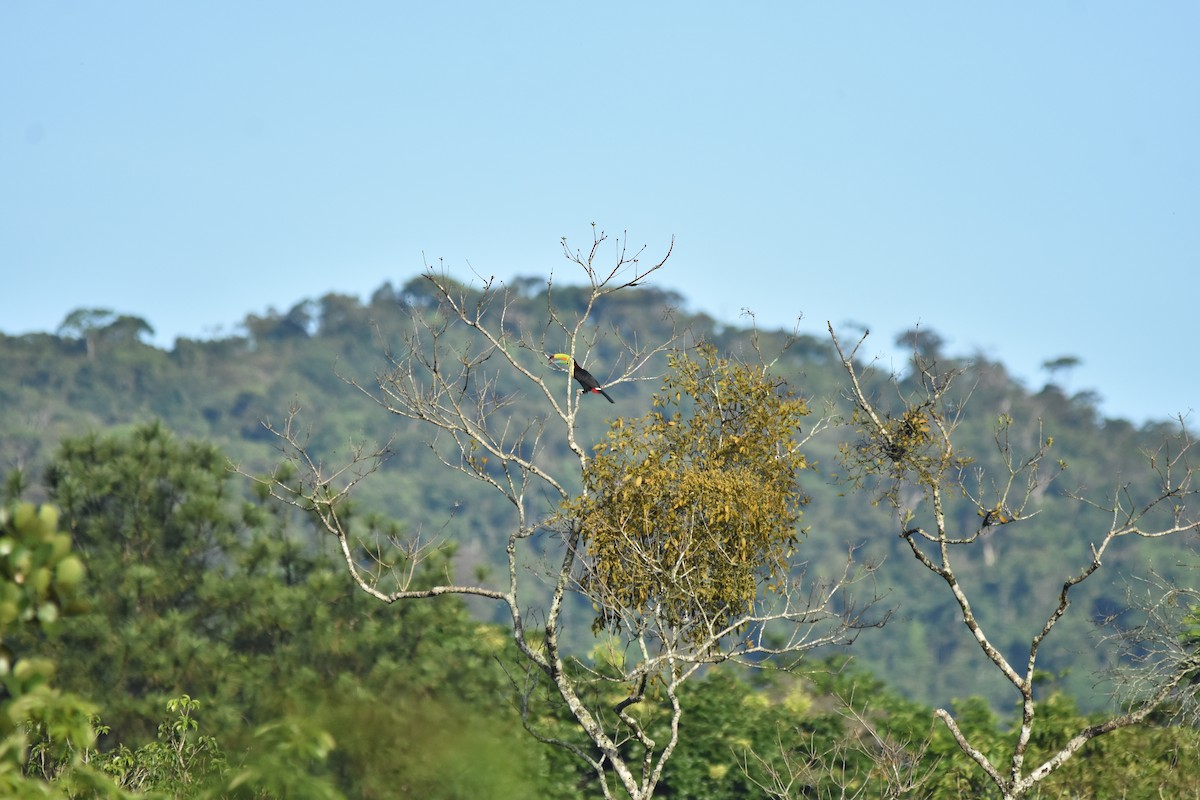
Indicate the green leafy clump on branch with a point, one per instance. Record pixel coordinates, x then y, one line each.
689 508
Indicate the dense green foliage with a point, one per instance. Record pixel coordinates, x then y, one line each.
40 588
201 593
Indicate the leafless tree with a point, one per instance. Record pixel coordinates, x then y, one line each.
463 364
912 455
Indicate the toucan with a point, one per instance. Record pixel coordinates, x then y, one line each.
584 377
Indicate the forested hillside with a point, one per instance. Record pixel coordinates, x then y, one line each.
93 399
100 377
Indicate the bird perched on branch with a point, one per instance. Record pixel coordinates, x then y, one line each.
589 384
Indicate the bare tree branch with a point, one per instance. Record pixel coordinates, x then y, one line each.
914 450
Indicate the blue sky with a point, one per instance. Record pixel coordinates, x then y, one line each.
1022 180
